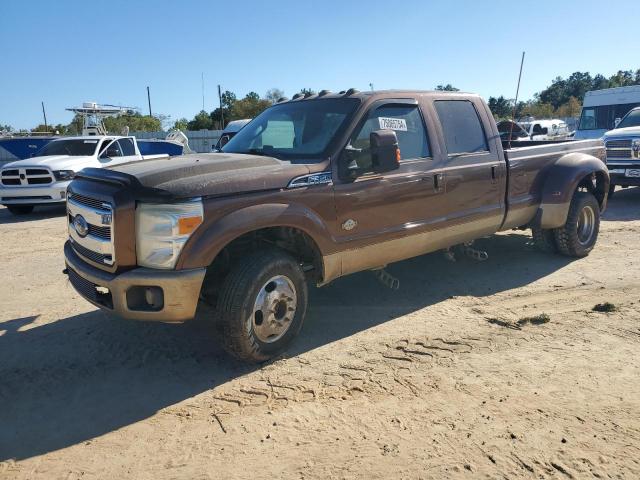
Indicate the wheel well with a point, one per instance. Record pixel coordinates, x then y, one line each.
596 183
292 240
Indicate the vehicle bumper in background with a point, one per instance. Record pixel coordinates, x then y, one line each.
138 294
626 175
53 193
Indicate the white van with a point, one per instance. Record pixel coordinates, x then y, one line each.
602 109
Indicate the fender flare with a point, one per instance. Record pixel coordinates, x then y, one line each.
206 243
562 180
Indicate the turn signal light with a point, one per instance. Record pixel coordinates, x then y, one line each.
398 155
187 225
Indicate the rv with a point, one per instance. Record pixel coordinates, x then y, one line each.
603 109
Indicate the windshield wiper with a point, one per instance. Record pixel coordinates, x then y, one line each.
261 152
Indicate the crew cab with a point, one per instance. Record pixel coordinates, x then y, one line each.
623 151
43 178
315 188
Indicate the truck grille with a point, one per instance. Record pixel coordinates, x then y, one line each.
87 201
91 235
618 149
89 290
23 177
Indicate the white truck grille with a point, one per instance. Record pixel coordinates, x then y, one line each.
90 223
26 176
619 149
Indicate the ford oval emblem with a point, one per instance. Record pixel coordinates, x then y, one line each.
81 226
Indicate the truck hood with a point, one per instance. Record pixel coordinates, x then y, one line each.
213 174
617 132
55 162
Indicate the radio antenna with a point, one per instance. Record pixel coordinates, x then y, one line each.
515 103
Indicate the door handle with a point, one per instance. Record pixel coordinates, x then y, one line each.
494 173
438 182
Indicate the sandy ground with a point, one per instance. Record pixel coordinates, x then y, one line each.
436 380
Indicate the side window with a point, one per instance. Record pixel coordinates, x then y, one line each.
405 120
463 132
126 145
113 150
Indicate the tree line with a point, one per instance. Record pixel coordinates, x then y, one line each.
563 98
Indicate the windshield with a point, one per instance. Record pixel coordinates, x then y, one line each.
603 117
75 148
294 130
631 120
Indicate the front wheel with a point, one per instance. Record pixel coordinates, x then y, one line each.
262 304
20 209
577 237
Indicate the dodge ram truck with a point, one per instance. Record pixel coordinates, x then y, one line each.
623 151
43 178
315 188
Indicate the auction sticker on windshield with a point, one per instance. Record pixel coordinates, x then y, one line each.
387 123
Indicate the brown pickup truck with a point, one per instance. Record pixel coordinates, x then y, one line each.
314 188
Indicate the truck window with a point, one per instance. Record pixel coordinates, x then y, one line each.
405 120
126 145
463 132
294 130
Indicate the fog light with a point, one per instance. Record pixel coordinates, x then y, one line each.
145 298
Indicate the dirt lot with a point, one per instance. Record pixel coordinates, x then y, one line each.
436 380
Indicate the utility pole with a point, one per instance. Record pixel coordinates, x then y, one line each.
149 100
44 114
221 110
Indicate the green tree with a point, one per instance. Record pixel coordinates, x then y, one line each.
181 124
307 91
202 121
135 121
500 107
570 109
6 128
228 100
447 88
274 94
249 107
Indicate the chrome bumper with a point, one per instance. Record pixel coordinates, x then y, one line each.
34 195
123 294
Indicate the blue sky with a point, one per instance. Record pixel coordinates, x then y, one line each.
67 52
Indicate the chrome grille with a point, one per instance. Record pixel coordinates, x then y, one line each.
94 241
618 144
619 149
88 201
21 177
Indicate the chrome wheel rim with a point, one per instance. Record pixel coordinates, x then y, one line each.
586 225
274 309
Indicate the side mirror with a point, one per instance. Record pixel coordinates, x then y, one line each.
385 154
224 139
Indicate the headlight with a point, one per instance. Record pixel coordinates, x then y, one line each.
63 174
163 229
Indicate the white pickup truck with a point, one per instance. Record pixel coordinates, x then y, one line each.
43 179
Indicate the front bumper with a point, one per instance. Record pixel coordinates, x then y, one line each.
121 293
36 195
618 174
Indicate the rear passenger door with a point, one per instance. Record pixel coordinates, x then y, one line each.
473 169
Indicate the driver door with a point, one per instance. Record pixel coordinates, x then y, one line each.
111 154
378 213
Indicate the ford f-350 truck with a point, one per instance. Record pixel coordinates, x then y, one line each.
314 188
